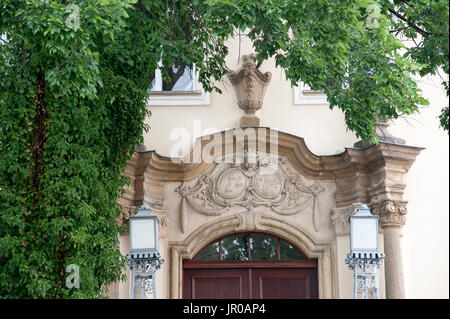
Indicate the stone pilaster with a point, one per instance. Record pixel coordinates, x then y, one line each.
392 218
376 176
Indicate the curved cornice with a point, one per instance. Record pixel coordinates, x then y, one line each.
325 167
293 147
367 175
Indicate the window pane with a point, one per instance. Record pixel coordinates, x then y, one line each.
181 81
235 247
181 78
263 247
289 252
209 253
153 84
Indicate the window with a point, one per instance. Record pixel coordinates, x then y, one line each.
250 247
182 87
181 79
304 95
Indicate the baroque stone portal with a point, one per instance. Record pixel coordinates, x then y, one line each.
273 192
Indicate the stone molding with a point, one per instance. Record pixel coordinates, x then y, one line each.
378 173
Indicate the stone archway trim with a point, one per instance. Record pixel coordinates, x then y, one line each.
232 223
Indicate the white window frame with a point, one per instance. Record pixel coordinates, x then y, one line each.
313 98
197 96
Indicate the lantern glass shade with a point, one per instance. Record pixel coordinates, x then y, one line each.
363 231
143 234
364 234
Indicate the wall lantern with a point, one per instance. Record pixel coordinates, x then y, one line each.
364 257
144 258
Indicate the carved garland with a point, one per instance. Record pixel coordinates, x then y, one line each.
249 179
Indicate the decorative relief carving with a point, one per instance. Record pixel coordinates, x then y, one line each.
392 213
249 179
164 222
248 221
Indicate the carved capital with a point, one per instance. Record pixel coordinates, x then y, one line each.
126 213
392 213
340 216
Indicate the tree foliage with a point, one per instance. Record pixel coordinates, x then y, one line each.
425 24
73 103
70 112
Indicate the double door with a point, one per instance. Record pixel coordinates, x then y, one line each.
250 280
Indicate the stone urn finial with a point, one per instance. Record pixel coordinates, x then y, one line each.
250 85
381 130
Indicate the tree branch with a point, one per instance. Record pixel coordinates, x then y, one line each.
412 25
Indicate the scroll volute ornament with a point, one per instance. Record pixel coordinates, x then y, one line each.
250 85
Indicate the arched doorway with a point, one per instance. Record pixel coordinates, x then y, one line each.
250 266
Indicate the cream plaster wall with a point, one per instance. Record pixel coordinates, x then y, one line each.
426 234
425 242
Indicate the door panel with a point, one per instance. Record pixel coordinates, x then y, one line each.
249 281
216 284
284 284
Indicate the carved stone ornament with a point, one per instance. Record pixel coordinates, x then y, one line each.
250 85
392 213
126 213
249 179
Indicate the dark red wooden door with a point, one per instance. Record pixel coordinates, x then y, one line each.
216 284
250 280
284 283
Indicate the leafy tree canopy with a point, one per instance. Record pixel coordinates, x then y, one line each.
73 87
425 25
